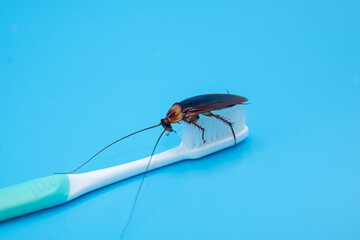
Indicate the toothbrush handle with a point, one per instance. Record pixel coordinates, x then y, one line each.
33 195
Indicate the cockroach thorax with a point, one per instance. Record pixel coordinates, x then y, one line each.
175 113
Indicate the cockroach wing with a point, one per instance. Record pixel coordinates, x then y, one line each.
209 102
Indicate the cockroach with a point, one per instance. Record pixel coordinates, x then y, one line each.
189 111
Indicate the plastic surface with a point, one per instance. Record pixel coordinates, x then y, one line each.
33 195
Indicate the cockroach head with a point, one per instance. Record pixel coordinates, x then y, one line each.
166 124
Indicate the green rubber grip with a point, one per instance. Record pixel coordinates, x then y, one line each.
33 195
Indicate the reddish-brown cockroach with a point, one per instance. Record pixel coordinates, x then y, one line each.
188 111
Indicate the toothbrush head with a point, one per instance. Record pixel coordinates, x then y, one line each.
215 129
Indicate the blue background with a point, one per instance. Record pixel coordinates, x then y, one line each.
75 76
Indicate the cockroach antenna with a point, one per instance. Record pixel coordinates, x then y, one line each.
140 187
106 148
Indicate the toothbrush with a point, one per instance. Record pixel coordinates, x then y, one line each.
45 192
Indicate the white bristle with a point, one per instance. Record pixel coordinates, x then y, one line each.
215 129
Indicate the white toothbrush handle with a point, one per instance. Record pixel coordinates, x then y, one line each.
85 182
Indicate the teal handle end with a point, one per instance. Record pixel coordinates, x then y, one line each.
33 195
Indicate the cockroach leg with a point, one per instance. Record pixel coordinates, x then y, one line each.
192 120
210 114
